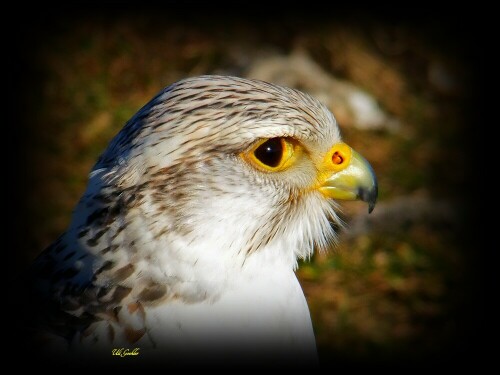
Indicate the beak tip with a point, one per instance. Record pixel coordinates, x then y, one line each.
369 196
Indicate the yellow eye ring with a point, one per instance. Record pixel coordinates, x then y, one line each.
272 154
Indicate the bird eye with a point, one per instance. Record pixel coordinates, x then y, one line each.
272 155
270 152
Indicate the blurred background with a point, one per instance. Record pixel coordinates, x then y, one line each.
405 283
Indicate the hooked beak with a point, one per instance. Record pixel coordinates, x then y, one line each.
347 175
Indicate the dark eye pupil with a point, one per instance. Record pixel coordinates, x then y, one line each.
270 152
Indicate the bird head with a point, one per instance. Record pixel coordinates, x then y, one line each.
242 164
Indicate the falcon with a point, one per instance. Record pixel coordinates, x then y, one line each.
184 245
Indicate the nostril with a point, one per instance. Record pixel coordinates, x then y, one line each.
337 158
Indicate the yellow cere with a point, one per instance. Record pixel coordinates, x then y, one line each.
335 160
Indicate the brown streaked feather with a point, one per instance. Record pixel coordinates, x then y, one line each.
152 292
134 335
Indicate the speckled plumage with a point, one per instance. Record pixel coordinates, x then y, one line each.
178 244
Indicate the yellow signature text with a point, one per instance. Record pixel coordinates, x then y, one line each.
123 352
